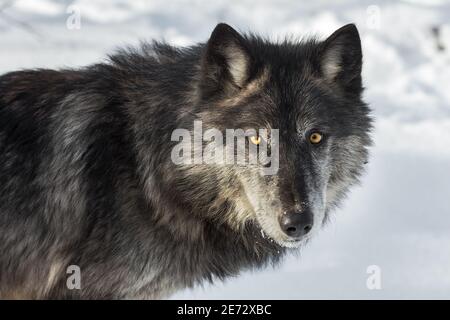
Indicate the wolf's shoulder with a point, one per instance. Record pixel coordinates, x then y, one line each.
154 54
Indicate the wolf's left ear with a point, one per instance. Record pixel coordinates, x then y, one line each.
341 58
226 60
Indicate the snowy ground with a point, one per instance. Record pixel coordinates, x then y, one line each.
399 219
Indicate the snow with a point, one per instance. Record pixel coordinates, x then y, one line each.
399 219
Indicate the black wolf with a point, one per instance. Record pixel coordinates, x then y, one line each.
87 177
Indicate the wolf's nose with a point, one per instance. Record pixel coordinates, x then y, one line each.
296 224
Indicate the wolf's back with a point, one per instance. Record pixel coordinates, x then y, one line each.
62 145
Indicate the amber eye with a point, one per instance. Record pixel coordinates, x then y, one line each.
315 137
256 140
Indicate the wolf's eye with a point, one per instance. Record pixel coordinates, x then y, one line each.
256 140
315 137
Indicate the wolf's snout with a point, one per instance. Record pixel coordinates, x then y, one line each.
296 224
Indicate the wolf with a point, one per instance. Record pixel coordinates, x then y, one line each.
88 182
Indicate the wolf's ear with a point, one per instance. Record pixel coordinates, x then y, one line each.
226 61
341 58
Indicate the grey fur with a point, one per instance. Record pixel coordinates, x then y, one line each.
87 177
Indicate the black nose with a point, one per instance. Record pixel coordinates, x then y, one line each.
296 224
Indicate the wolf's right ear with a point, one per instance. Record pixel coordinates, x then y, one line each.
226 61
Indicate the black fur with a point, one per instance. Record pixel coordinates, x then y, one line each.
87 179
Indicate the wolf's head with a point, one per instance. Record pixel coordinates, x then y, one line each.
309 93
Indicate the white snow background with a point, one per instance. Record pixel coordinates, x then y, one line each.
398 219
